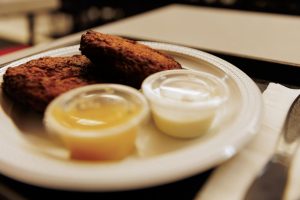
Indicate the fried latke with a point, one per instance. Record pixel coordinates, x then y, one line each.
124 61
37 82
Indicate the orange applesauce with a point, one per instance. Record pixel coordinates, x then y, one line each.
97 122
95 116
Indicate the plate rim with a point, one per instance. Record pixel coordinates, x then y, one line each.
169 174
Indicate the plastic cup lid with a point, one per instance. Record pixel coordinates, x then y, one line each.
185 88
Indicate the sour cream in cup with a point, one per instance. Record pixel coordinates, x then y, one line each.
184 103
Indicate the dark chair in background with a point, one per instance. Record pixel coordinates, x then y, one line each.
90 13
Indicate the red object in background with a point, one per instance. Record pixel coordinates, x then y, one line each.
12 49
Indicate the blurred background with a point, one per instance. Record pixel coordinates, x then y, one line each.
24 23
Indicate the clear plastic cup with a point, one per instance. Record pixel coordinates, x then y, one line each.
97 122
184 103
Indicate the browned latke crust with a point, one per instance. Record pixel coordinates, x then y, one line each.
115 59
37 82
124 60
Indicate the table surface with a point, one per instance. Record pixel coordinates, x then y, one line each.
258 69
270 37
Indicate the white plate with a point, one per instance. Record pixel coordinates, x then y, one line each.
29 155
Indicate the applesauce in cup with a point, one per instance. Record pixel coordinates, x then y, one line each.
97 122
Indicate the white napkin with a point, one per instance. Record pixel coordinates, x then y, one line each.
232 179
